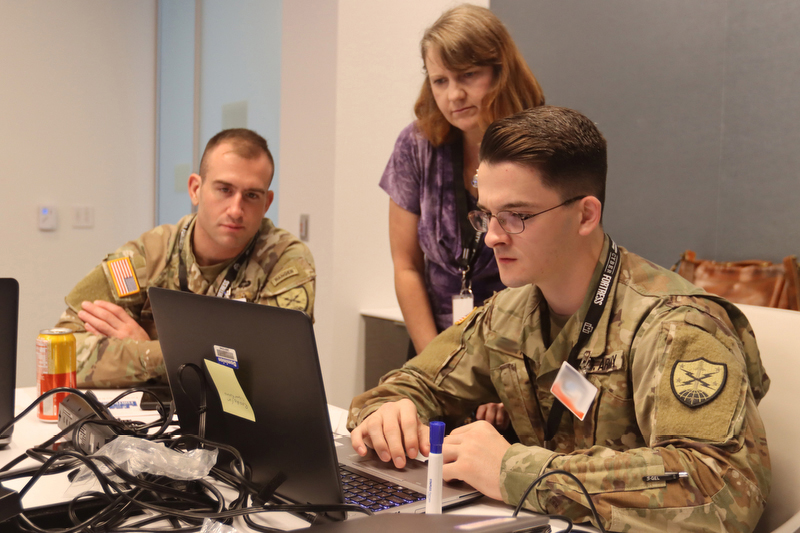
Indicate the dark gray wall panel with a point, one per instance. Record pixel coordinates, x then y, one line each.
760 186
659 79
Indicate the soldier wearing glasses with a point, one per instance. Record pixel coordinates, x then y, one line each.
657 381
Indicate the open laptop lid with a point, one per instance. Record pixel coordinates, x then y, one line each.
279 374
9 317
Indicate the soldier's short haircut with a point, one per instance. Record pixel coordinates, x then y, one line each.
245 143
563 145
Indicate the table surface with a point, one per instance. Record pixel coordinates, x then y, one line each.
386 313
30 431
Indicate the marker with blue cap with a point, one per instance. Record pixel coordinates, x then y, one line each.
433 504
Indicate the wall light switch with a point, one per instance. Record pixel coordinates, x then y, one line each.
83 216
47 218
304 228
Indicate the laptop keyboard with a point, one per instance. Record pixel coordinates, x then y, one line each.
372 493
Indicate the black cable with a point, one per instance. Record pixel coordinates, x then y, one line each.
160 408
89 399
580 485
48 442
184 504
92 403
106 483
259 527
203 405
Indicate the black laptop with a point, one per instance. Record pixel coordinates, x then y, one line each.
272 354
9 316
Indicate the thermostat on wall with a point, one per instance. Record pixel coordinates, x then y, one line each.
48 218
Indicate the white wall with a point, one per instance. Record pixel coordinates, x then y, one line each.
338 127
241 62
77 124
77 108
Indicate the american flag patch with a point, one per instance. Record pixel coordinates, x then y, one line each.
124 278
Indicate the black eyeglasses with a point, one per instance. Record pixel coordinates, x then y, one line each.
511 222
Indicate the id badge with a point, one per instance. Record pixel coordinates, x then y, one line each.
462 306
573 390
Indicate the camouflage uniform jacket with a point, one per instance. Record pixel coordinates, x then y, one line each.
279 272
653 325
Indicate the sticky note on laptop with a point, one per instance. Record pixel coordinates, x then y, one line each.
230 391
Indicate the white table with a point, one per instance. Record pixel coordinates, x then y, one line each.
30 431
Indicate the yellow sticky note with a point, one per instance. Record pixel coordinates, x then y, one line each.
230 392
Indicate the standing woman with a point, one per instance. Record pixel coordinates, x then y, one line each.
475 75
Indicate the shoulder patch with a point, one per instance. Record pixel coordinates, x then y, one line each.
283 275
123 276
296 298
695 383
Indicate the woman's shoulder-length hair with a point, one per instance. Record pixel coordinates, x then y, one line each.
467 36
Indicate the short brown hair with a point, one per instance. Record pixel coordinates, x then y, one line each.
467 36
562 144
245 143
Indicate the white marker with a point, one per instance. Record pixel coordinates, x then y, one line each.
433 504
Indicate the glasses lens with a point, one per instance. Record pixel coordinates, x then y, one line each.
479 220
510 222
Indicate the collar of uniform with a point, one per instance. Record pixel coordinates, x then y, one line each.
197 282
559 349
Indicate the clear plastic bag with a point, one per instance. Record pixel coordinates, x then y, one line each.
137 455
211 526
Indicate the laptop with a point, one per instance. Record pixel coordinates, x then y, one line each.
9 315
272 354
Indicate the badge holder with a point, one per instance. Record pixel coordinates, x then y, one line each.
463 302
573 390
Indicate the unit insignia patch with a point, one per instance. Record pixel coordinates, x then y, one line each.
697 382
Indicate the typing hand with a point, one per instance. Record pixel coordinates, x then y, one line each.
111 320
393 431
495 414
474 453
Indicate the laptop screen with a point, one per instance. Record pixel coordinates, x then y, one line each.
263 383
9 315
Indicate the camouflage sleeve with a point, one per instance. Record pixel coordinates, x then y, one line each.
696 410
110 363
292 281
104 362
447 381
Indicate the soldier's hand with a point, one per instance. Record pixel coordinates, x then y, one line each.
111 320
495 414
474 453
393 431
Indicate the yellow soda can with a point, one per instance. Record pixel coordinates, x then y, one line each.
55 367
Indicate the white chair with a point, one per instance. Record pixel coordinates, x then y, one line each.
778 336
791 526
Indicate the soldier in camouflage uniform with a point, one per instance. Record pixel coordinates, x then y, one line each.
677 370
227 249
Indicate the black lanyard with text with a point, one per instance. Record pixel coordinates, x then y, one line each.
230 275
593 316
471 240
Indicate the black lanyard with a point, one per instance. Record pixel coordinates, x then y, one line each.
471 240
230 274
593 316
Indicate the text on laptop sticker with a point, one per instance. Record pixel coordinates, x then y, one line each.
226 356
230 392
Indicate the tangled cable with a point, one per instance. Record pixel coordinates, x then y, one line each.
121 496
